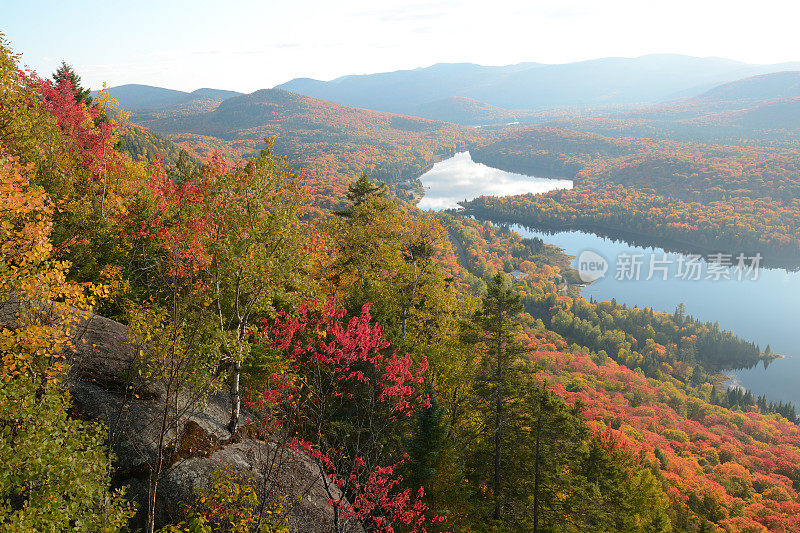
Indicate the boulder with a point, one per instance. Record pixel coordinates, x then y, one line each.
103 386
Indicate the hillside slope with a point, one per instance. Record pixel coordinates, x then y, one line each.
466 111
333 143
135 98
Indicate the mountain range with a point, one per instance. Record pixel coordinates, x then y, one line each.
135 97
607 81
208 120
469 94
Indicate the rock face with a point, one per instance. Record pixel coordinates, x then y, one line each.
102 371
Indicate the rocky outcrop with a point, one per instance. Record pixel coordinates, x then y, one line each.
103 386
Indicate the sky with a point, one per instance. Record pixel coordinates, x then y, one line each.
250 45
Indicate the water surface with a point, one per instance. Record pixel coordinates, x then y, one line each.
762 308
765 310
460 178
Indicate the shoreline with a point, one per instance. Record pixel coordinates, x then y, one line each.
768 260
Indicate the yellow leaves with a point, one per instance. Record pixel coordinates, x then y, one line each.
34 283
111 104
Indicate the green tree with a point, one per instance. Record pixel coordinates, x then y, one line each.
499 382
54 470
66 74
360 191
255 243
368 242
426 443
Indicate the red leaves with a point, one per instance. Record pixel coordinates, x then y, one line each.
179 224
351 366
356 353
721 463
377 498
94 138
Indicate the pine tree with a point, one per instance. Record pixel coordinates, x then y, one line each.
360 191
500 378
426 442
65 73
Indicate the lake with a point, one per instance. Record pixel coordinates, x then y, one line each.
765 310
460 178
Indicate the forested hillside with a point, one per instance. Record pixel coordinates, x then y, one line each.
467 112
332 143
144 98
683 194
143 144
388 354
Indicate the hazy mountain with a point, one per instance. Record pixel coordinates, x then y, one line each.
267 111
617 81
134 97
759 96
466 111
401 91
778 114
215 93
755 89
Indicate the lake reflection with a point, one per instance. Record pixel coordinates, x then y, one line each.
765 310
460 178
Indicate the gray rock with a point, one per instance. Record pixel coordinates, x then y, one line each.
103 385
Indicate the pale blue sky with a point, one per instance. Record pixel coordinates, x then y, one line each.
248 45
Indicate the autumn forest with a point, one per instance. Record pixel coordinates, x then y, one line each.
225 312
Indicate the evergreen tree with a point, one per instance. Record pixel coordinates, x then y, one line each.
65 73
680 313
499 382
426 442
360 191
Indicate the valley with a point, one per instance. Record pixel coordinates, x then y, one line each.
533 297
736 300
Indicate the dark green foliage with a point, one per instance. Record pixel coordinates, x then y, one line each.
146 145
426 443
736 397
360 191
65 73
617 330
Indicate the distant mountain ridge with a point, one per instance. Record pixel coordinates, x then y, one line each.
756 88
607 81
766 101
466 111
135 97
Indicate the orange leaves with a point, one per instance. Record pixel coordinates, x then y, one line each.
32 286
24 225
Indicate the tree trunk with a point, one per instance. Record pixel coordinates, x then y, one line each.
536 476
498 429
156 471
151 497
497 445
405 319
236 401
